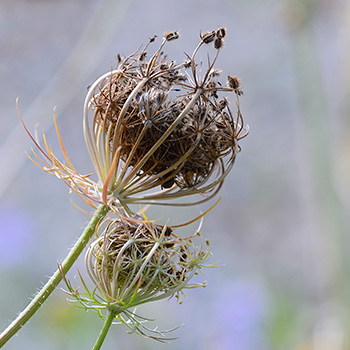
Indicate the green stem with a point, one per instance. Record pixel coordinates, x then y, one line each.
53 282
108 322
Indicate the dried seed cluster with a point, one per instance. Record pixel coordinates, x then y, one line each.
142 256
169 119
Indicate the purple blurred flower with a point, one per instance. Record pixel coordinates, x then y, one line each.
16 234
242 308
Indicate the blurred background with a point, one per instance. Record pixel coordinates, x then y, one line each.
281 229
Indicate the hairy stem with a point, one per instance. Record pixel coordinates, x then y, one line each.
107 324
53 282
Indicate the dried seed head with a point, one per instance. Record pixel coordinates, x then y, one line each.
207 37
142 55
169 36
154 123
152 39
187 64
221 32
222 104
234 83
168 128
218 43
214 73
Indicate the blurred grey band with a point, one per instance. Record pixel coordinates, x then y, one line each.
61 89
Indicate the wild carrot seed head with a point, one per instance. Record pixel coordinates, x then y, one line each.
168 122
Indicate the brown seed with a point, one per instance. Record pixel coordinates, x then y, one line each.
221 32
169 183
168 231
208 37
171 36
152 38
218 43
143 55
233 82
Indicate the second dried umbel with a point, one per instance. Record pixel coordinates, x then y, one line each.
133 262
